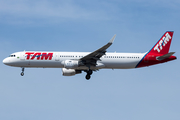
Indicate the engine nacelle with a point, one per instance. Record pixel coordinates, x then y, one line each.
70 72
70 64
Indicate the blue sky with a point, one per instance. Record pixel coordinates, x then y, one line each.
55 25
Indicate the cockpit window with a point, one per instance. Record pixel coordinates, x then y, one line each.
12 56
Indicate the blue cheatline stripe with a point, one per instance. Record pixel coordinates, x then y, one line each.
142 59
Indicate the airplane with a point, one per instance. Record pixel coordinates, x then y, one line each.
73 63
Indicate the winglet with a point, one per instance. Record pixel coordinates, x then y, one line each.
112 39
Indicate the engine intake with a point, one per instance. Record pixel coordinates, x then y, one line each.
70 64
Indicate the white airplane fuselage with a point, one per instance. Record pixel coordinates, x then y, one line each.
108 61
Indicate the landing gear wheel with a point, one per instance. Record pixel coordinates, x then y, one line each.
22 74
88 77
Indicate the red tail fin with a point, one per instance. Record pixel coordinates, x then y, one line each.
163 45
159 53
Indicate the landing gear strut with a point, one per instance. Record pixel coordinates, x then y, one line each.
22 73
89 73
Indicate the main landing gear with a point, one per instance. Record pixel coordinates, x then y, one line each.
89 73
22 73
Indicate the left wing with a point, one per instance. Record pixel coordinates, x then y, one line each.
91 59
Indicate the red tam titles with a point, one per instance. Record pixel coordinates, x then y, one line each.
39 56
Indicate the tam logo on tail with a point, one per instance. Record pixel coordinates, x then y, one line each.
162 42
163 45
159 52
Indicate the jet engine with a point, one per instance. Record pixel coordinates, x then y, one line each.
70 72
70 64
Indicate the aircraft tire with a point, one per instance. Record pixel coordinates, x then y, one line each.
22 74
88 77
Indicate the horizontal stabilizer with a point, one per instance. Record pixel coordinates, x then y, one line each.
165 56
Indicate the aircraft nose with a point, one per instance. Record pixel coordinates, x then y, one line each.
6 61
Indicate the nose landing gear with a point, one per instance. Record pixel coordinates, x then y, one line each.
22 73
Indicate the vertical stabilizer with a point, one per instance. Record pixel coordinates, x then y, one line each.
160 52
163 45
